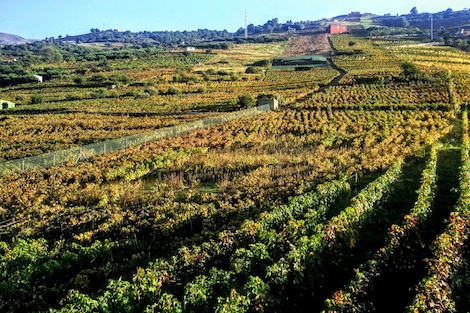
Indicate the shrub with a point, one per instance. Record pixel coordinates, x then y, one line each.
113 94
37 99
151 91
141 95
78 80
246 101
98 79
174 90
253 70
129 93
98 94
262 63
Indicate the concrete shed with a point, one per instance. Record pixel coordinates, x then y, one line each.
272 101
5 104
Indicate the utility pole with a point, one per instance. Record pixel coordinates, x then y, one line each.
246 25
432 28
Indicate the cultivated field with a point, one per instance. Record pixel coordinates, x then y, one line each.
349 198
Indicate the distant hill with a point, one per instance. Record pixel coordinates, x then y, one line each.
9 39
201 38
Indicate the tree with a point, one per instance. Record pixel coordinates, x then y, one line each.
414 11
246 101
461 43
410 70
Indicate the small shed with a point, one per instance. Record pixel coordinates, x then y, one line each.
338 29
270 100
111 86
6 104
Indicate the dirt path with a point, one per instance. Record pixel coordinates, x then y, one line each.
334 82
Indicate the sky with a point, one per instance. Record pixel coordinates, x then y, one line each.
39 19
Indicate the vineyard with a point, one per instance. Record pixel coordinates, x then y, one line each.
353 197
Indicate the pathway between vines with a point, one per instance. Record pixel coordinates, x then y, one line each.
338 263
409 267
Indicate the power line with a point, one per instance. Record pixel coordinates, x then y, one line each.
246 25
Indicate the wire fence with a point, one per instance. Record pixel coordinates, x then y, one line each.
84 152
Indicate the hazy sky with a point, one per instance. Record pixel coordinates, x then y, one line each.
47 18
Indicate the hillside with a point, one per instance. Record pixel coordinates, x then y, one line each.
127 186
9 39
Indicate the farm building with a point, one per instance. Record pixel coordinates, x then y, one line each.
272 101
6 104
337 29
190 49
308 61
462 33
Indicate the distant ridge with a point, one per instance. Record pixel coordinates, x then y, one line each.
9 39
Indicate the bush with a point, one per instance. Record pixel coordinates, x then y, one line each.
101 93
253 70
129 93
246 101
141 95
410 71
113 94
174 90
19 98
120 78
151 91
71 97
37 99
78 80
98 79
138 84
262 63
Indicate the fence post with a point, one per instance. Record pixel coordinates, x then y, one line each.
22 165
53 159
104 147
80 155
355 181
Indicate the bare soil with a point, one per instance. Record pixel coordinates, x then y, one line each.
306 45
